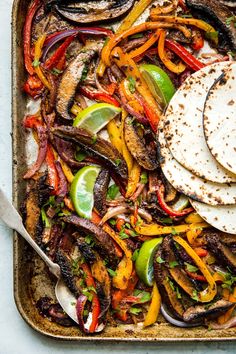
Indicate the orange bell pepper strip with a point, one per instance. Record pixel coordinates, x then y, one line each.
125 151
152 40
52 171
154 229
125 25
99 272
175 68
160 10
36 63
113 42
126 63
95 300
232 298
209 293
133 179
201 252
188 21
125 267
154 307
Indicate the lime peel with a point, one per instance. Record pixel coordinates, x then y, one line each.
144 261
81 191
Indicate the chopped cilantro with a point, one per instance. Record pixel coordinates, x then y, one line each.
132 84
136 35
123 235
118 162
112 222
173 231
112 192
212 35
229 20
173 264
36 63
135 310
144 178
56 71
45 219
178 294
166 221
87 294
190 268
195 295
84 73
94 139
186 16
111 272
80 155
89 239
135 255
160 260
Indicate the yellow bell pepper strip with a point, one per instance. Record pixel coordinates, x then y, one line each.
36 63
125 151
134 15
209 293
160 10
193 218
175 68
188 21
154 308
154 229
125 267
133 179
65 168
147 26
130 68
192 235
75 109
114 135
152 40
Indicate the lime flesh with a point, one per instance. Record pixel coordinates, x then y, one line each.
144 262
95 117
158 82
81 191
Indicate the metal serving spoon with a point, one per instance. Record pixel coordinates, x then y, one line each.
11 218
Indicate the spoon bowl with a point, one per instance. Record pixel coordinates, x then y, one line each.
12 219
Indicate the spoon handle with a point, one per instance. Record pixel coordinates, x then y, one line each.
11 218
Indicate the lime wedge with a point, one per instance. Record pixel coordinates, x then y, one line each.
158 82
144 262
95 117
81 191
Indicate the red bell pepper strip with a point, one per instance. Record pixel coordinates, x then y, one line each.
35 122
119 295
98 96
52 171
201 252
33 86
161 200
187 57
27 35
95 300
182 5
58 54
197 40
195 276
62 185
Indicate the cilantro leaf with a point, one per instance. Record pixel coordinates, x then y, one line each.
132 84
111 272
112 192
135 310
160 260
190 268
144 178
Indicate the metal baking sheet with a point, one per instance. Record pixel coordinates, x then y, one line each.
31 277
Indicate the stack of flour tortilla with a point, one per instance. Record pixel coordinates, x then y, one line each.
197 140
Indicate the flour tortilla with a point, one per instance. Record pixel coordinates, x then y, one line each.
184 126
189 184
220 123
222 217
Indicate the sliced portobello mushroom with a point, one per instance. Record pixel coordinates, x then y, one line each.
222 252
94 145
71 78
92 11
104 242
218 14
166 286
100 191
137 148
209 311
